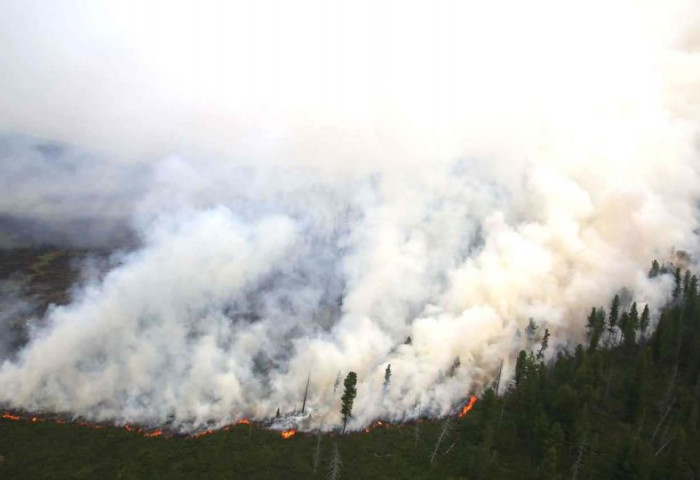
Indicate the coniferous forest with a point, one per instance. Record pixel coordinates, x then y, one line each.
624 405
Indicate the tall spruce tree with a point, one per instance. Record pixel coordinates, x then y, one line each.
644 321
655 269
612 318
348 397
595 326
630 331
544 345
678 288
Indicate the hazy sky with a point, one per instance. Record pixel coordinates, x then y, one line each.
375 78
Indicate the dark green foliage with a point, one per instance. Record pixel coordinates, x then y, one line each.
655 269
612 318
628 411
629 323
678 288
644 321
543 345
595 327
387 375
348 397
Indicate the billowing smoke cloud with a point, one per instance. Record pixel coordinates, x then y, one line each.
319 182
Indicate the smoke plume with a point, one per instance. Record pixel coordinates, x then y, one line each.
304 186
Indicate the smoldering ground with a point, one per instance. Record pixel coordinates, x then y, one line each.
307 203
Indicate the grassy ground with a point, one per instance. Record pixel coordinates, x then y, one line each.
49 450
45 274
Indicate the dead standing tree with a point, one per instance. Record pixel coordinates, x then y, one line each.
446 427
416 433
335 465
317 451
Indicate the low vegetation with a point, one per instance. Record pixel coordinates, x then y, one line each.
625 405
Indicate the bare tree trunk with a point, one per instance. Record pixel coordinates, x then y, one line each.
667 402
577 464
664 445
416 433
500 416
446 427
336 464
498 378
306 393
317 451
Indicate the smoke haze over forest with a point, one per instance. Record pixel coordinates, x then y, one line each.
296 188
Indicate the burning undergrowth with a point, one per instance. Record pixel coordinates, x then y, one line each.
283 426
438 224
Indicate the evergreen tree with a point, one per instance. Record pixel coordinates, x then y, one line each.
677 289
553 447
544 345
631 325
655 269
693 287
624 325
595 326
520 367
348 397
644 321
453 368
530 330
612 318
387 375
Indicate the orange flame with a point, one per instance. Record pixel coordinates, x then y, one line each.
288 433
468 406
155 433
203 434
9 416
375 425
245 421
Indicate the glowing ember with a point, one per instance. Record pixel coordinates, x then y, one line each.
203 434
156 433
288 433
375 425
245 421
468 406
9 416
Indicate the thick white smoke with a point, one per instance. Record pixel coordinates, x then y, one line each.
347 176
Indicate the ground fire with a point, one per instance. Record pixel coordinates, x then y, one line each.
468 406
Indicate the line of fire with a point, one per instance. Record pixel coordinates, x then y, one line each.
153 433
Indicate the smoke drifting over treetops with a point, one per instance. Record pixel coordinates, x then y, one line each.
309 185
